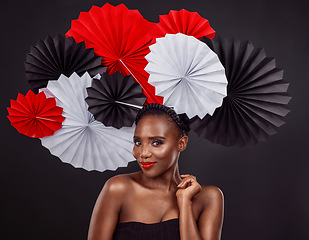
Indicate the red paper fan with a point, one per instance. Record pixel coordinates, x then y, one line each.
35 115
121 37
183 21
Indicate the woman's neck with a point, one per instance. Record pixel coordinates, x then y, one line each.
167 181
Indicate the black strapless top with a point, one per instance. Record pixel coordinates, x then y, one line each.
167 230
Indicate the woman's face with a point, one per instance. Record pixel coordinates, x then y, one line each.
157 143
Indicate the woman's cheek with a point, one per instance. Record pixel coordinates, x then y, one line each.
159 152
135 153
164 153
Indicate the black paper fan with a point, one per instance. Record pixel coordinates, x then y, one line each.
115 100
256 100
59 55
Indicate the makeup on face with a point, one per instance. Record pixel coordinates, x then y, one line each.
155 144
147 165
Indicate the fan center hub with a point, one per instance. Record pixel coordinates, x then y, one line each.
184 78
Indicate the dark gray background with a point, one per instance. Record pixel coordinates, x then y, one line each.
265 186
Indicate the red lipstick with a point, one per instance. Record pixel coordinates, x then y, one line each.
147 165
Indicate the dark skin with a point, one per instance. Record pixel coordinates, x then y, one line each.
158 193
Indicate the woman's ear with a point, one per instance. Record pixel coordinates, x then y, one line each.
183 141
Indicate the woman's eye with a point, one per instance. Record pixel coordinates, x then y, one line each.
157 143
137 143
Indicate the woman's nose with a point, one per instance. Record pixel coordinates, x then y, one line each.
145 153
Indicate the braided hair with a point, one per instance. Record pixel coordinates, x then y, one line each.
158 109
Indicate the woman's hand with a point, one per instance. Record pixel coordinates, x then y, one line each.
187 188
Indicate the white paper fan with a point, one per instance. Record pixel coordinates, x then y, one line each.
82 141
187 73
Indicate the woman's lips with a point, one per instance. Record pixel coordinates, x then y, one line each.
147 165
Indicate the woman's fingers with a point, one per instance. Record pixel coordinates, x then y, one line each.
188 187
187 175
186 181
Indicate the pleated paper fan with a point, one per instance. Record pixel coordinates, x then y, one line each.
82 141
187 74
35 115
183 21
115 100
121 37
59 55
257 98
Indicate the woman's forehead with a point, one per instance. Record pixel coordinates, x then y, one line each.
156 125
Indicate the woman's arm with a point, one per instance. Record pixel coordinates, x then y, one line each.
105 214
211 217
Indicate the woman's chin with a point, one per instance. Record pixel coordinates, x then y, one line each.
151 172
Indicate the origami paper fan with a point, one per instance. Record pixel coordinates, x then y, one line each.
187 74
115 100
183 21
82 141
59 55
257 97
121 36
34 115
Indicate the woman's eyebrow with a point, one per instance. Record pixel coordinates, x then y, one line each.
156 137
151 138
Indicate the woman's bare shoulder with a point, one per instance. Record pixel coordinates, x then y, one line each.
210 195
119 184
211 191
